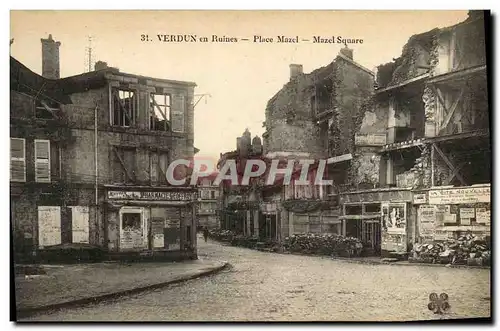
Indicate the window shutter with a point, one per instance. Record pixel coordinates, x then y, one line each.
17 160
42 161
178 111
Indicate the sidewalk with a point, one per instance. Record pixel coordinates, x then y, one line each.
378 260
65 285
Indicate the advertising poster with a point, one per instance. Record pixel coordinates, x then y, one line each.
427 221
395 220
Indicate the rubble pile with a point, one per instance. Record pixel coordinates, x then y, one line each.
323 244
466 250
221 235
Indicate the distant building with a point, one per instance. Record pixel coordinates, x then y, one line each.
208 202
314 116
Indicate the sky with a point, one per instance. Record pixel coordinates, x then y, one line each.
240 77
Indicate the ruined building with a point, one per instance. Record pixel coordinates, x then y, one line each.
239 204
89 154
421 166
314 116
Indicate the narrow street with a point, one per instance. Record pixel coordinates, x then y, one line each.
274 287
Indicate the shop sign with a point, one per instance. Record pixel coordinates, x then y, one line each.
460 195
419 198
427 220
483 216
147 195
370 139
467 213
394 217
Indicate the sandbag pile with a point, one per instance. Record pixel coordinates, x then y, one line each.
467 249
323 244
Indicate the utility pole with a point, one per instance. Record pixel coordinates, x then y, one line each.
201 96
88 55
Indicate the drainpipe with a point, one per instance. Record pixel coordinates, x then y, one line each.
96 172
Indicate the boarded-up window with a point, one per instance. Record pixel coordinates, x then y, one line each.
124 107
159 106
124 164
17 160
80 224
42 161
49 225
178 113
158 167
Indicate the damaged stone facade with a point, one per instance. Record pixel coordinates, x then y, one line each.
80 197
426 126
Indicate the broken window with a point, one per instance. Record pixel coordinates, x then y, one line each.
159 112
159 165
124 107
17 160
46 109
131 221
124 165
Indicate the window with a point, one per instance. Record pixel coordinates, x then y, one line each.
42 161
124 107
131 221
17 159
124 164
159 112
212 194
159 165
46 109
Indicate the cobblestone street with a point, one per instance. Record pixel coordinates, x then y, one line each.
274 287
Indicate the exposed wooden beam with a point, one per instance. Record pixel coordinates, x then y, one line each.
457 74
406 82
448 162
452 109
454 173
123 164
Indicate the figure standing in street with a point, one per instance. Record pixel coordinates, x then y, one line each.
205 234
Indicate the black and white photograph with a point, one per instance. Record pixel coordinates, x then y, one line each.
250 165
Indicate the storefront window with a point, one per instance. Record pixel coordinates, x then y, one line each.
131 221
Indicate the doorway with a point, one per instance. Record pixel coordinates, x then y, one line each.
371 235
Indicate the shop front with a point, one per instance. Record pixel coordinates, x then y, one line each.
268 221
450 212
378 218
151 222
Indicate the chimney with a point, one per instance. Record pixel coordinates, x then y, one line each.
50 58
347 52
295 70
100 65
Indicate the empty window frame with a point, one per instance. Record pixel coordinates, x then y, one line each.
124 107
17 159
42 161
160 110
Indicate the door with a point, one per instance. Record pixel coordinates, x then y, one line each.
133 233
371 234
80 224
49 226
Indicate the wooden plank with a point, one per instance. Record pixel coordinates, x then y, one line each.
122 163
452 109
454 173
122 106
448 162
